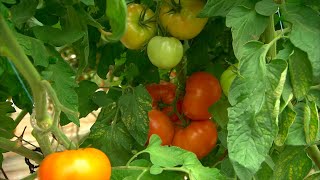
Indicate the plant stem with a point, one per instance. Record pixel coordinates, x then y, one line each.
62 138
43 140
133 157
31 176
20 116
270 34
16 147
314 154
15 53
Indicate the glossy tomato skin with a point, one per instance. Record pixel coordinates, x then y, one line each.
138 35
184 24
202 91
164 52
199 137
81 164
161 125
164 92
227 78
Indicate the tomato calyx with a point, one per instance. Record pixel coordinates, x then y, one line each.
175 7
144 22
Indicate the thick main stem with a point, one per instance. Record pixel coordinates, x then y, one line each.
10 48
18 148
15 53
314 154
270 34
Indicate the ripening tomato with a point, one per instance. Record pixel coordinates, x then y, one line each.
163 93
164 52
141 26
179 18
163 96
202 91
227 78
199 137
161 125
81 164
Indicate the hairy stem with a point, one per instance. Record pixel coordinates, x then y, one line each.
16 147
15 53
44 141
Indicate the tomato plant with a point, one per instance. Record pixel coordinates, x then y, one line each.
161 125
165 52
141 26
87 163
179 18
227 78
56 54
202 91
199 137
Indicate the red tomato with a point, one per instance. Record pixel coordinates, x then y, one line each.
161 125
200 137
81 164
162 93
202 91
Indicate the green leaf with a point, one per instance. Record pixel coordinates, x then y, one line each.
246 25
62 79
7 124
312 176
34 48
9 1
266 7
296 135
101 98
169 157
305 33
311 122
57 36
221 7
73 21
109 53
85 93
117 15
300 74
314 95
227 168
293 163
148 73
265 172
286 119
133 174
88 2
219 111
255 104
113 139
287 94
134 107
23 11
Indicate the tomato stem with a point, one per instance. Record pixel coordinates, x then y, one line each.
270 34
21 115
20 149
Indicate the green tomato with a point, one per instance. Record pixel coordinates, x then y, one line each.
165 52
227 78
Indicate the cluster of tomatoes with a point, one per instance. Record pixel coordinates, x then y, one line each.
176 17
185 121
